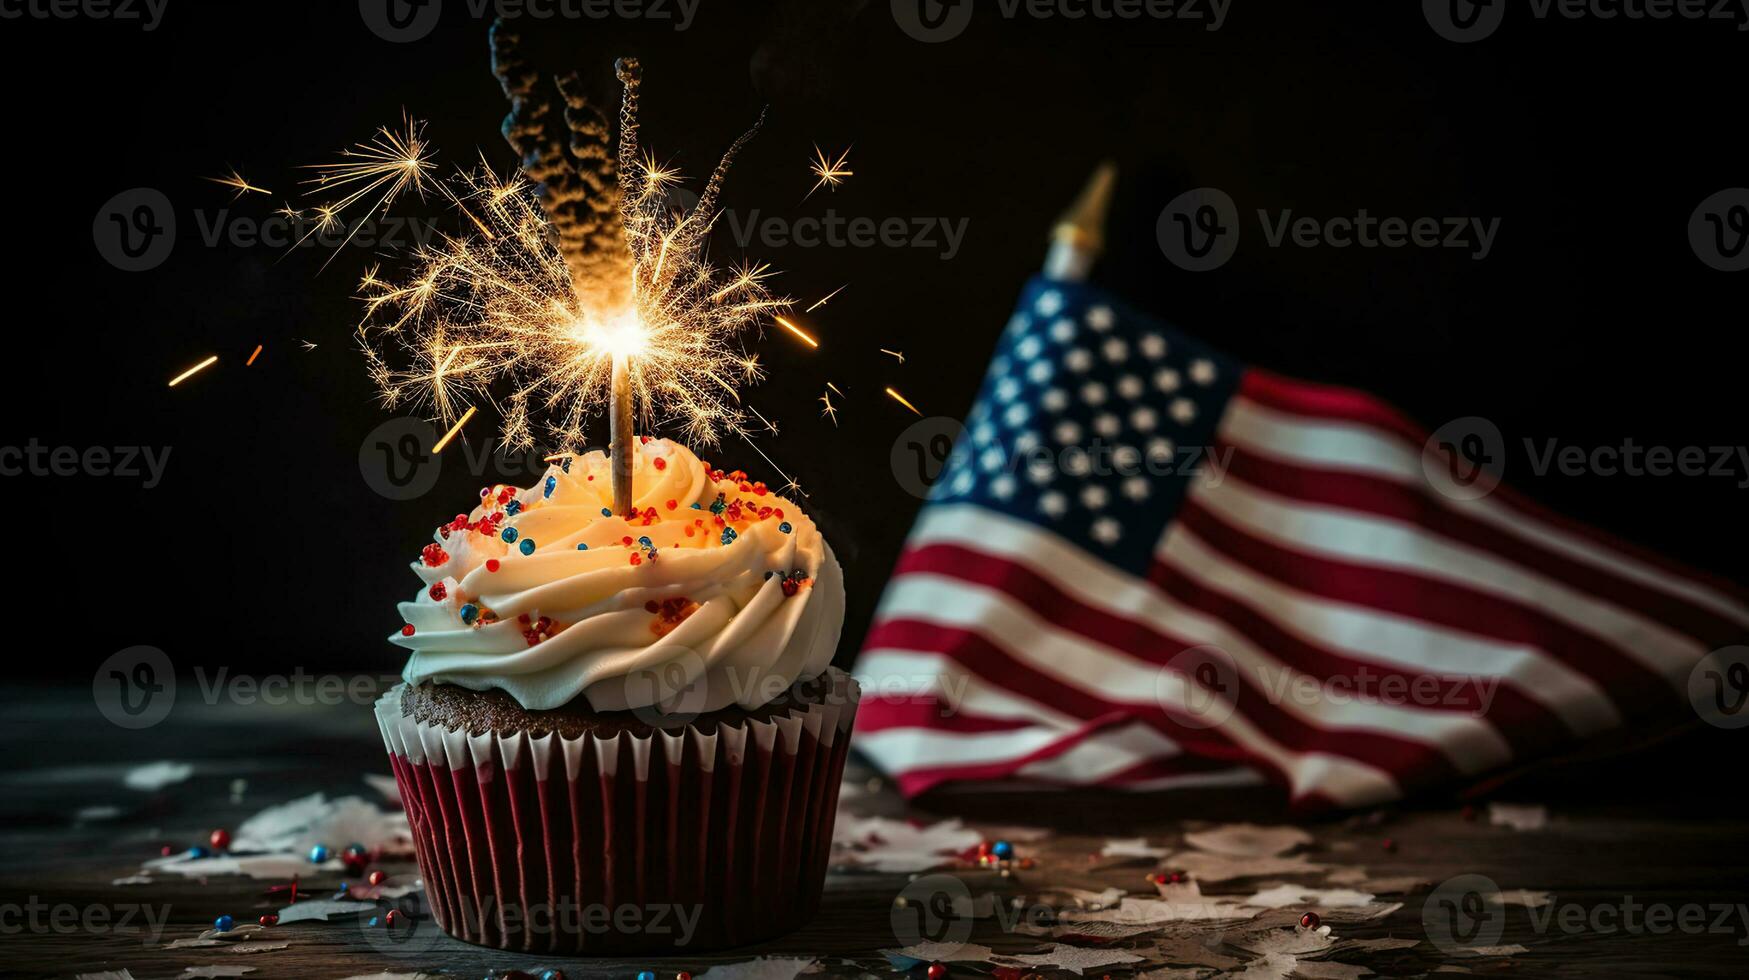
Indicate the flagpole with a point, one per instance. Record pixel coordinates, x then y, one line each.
1079 236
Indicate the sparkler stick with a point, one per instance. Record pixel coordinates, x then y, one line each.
620 418
1079 236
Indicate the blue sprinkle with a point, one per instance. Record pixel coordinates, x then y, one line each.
198 852
318 854
785 528
373 921
527 546
470 612
645 541
508 534
552 484
566 465
728 535
607 512
697 506
513 508
224 923
582 547
1002 849
646 975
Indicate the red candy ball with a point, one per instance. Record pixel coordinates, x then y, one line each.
937 971
1310 920
377 877
220 839
269 920
393 919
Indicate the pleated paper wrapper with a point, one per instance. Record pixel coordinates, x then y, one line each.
602 845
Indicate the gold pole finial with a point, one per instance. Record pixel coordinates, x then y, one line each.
1079 236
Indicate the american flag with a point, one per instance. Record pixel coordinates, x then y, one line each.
1147 566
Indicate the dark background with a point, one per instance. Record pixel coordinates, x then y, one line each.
264 548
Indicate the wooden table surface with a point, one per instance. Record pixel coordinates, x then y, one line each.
1642 832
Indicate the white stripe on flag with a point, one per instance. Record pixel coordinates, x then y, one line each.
1372 635
1352 446
1351 536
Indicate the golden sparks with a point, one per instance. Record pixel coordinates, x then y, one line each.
831 172
251 361
831 410
899 355
501 307
901 400
828 298
382 169
191 372
238 183
453 430
798 331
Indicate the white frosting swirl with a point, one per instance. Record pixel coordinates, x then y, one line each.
613 623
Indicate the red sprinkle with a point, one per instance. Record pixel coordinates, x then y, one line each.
439 591
659 463
637 559
673 504
491 564
407 630
627 541
433 555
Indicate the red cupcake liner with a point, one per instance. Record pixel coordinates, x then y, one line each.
681 842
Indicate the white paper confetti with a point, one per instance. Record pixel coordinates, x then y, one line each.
1518 816
898 847
157 775
1283 895
1248 840
321 910
773 968
210 972
1218 867
1132 847
1071 958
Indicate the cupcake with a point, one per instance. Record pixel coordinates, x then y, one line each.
622 733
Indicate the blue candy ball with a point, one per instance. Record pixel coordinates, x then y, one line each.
508 534
646 975
318 854
527 546
1002 849
223 923
582 547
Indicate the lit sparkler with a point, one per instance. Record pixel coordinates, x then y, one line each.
388 165
500 306
901 400
827 298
